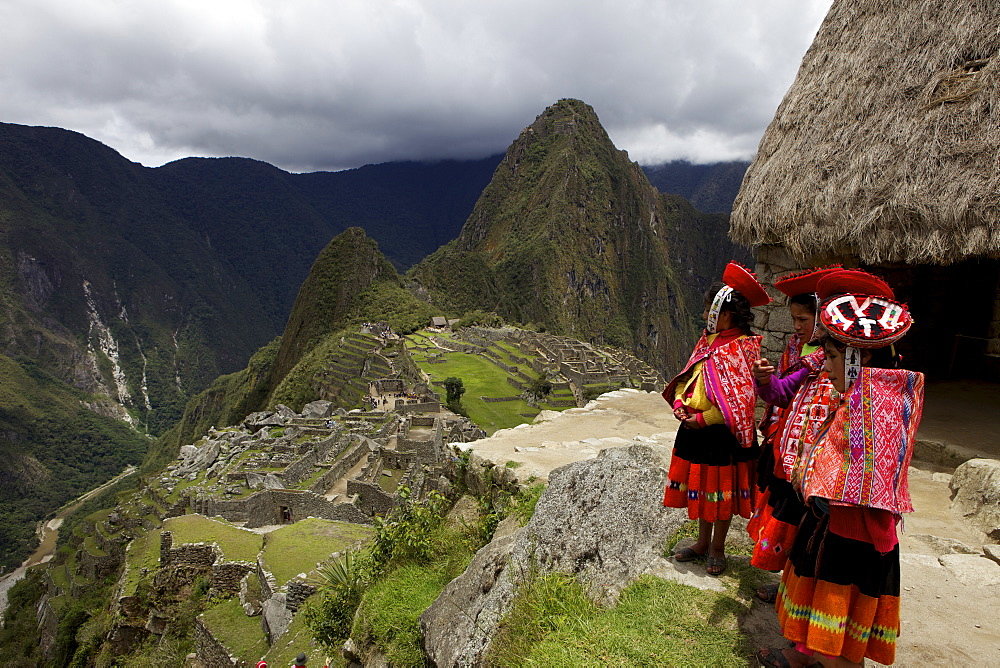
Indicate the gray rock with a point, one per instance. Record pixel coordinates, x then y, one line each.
992 552
284 412
317 409
972 569
271 481
975 488
599 519
275 617
256 420
255 480
198 460
942 546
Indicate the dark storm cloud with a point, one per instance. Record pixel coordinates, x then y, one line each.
312 84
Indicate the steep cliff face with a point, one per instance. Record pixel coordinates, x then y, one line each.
570 235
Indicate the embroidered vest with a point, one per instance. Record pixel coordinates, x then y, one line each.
862 454
728 382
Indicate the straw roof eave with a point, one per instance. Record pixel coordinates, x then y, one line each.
887 145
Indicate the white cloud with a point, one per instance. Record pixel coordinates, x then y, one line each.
313 84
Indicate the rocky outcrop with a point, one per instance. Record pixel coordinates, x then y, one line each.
975 489
600 520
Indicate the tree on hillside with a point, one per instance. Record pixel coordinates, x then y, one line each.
455 389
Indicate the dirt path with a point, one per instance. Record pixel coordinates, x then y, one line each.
950 589
49 535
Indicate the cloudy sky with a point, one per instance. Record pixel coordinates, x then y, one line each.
329 84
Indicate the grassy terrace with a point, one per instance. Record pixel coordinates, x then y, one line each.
297 548
236 544
240 634
143 552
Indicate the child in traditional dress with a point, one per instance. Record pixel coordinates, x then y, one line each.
711 471
797 401
839 595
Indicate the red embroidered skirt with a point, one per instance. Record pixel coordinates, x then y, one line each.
711 474
776 517
840 596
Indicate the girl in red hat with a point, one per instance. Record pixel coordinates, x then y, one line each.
797 394
713 458
839 596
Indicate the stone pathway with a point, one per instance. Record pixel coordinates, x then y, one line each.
951 589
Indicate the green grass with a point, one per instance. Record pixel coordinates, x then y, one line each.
656 623
240 634
90 544
143 552
298 638
236 544
297 548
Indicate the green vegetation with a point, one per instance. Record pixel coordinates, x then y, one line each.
297 548
19 635
240 634
52 449
143 553
656 622
388 616
480 377
236 544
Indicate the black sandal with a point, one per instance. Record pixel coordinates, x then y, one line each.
768 593
716 566
688 554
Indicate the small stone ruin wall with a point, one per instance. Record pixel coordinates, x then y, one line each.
226 577
264 508
773 321
209 650
341 467
371 499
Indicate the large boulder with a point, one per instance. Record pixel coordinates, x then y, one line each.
317 409
975 490
601 520
198 460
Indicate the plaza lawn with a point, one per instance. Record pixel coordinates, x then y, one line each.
238 633
482 378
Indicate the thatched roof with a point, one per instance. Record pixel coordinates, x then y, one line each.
887 145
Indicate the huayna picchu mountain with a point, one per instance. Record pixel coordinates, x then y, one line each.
570 235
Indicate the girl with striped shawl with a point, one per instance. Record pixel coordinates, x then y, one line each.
712 467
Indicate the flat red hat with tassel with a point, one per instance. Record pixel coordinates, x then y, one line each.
742 280
853 282
804 282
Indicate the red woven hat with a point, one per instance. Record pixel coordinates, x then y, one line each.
865 321
742 280
852 282
803 282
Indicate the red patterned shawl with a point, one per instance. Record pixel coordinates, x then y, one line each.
728 382
863 454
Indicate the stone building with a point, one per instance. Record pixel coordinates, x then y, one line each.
884 155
